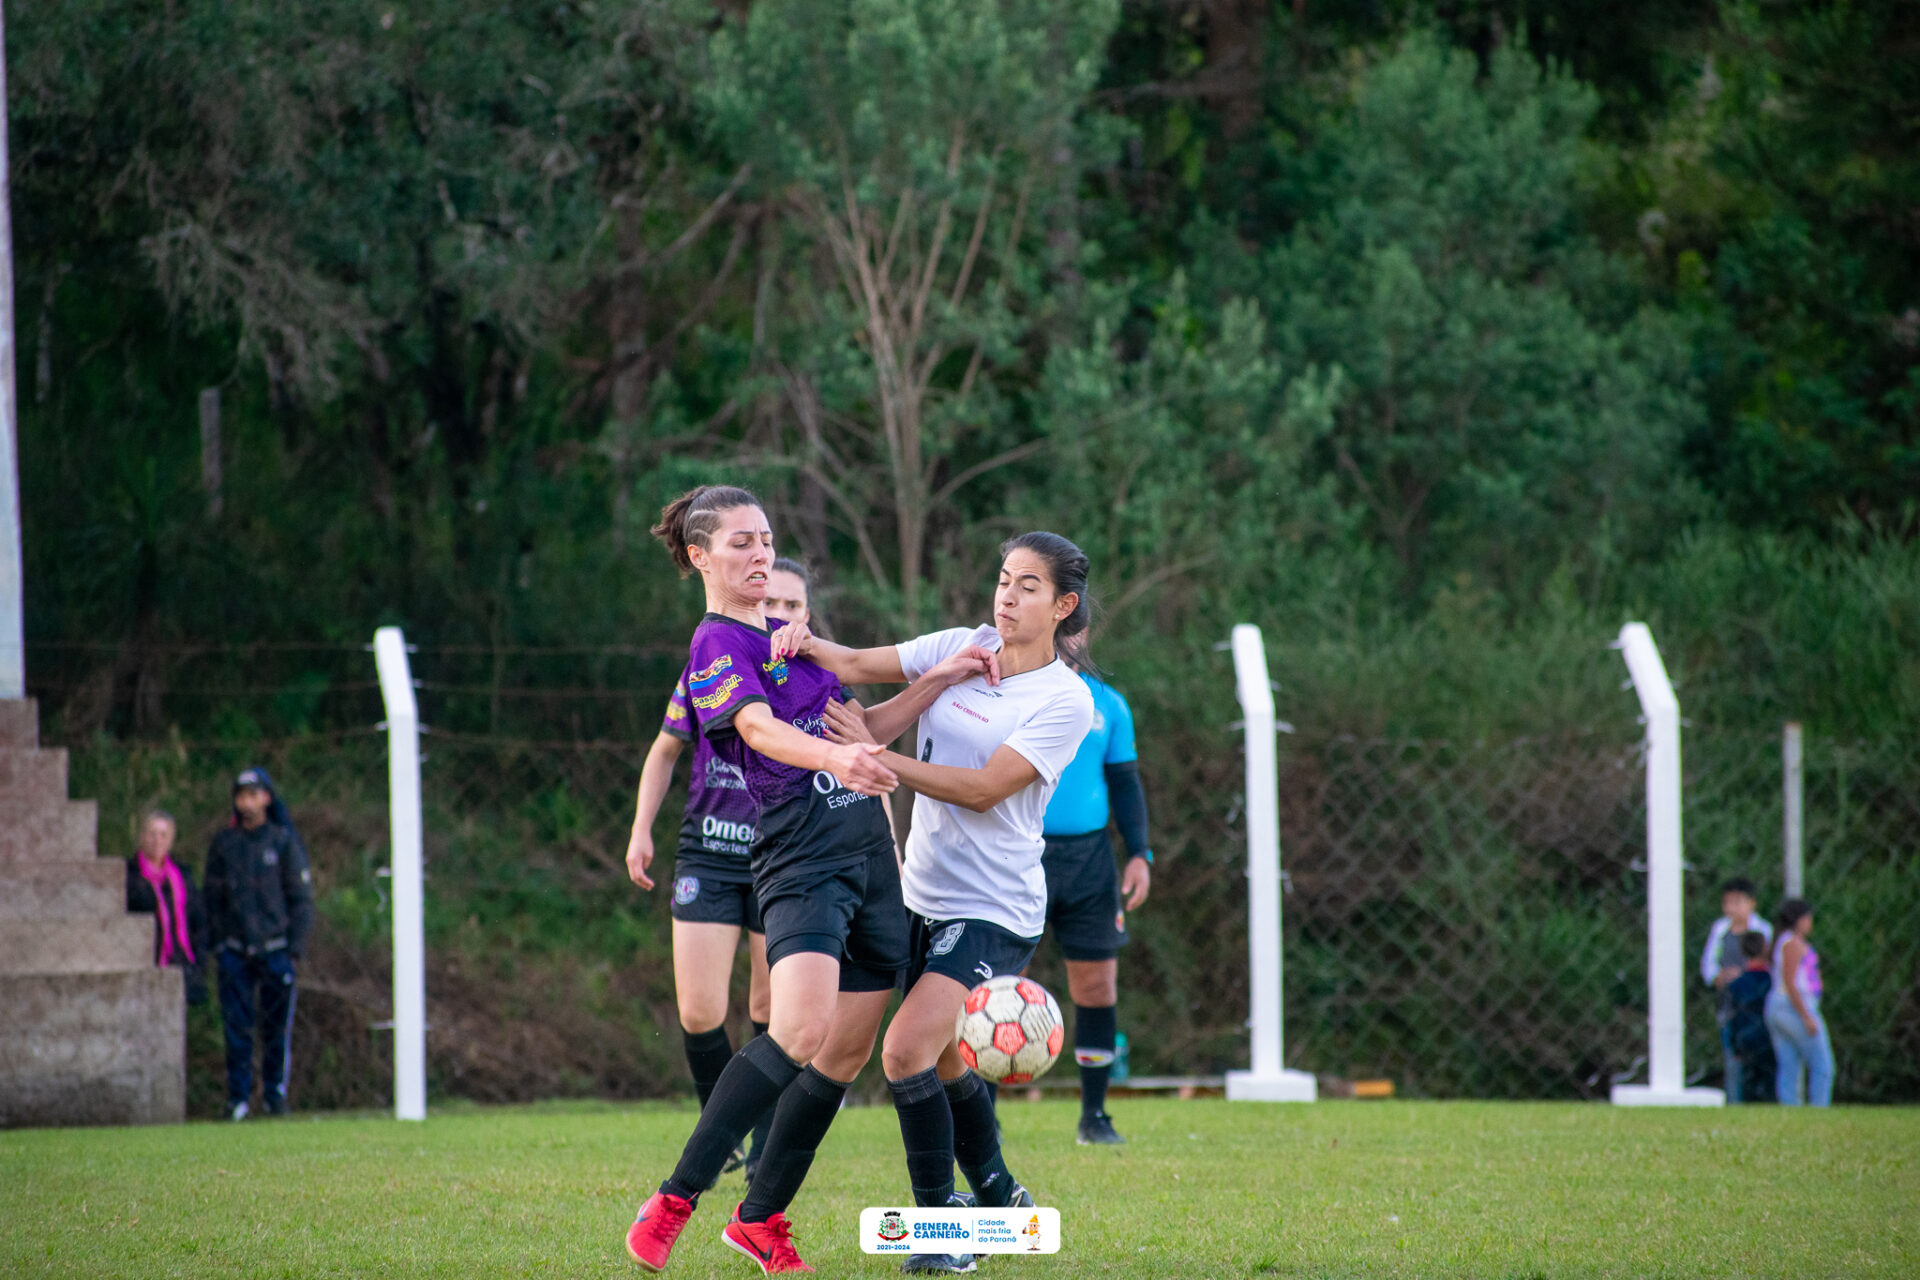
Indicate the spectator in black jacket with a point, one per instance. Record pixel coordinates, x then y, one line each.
259 912
158 886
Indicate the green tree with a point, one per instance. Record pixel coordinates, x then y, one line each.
910 141
1507 405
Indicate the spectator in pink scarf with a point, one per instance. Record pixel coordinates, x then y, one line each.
162 888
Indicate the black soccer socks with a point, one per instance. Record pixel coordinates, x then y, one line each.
801 1120
1093 1035
976 1142
926 1127
707 1056
766 1117
753 1080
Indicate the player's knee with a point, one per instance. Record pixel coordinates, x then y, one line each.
701 1013
842 1062
900 1058
1095 990
802 1038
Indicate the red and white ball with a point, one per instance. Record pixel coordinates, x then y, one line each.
1010 1030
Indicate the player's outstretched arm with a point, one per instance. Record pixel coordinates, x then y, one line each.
1007 771
655 775
857 766
893 717
853 666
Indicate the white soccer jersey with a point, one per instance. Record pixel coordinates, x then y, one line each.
986 866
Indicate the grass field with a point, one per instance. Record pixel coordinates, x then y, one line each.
1204 1189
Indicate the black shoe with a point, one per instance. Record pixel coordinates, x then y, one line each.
1021 1198
1097 1130
943 1264
737 1160
274 1105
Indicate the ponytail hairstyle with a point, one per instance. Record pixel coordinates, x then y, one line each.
1067 565
690 519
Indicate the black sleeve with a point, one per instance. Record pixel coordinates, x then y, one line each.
296 882
214 896
197 931
1129 805
135 881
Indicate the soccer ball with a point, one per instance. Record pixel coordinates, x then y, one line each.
1010 1030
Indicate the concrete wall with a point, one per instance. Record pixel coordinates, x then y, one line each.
90 1031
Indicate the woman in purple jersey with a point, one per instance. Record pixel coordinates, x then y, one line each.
823 871
713 899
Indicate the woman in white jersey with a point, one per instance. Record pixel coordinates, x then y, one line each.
986 758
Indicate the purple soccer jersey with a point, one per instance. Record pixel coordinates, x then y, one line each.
721 814
805 818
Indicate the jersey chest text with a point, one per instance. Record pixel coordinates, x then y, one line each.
967 725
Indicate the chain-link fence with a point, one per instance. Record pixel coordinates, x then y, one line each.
1470 919
1465 918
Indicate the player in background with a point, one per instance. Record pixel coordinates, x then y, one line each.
986 757
1085 890
713 897
823 871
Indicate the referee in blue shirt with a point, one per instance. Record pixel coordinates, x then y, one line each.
1085 887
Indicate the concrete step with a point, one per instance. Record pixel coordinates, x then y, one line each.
33 771
95 890
47 829
93 1048
19 722
116 945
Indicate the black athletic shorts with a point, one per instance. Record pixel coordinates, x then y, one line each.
968 951
715 891
1083 896
852 913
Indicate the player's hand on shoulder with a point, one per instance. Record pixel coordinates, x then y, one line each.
640 857
969 662
795 640
847 723
859 769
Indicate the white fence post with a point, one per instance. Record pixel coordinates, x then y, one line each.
1269 1080
1666 948
13 657
1795 782
409 944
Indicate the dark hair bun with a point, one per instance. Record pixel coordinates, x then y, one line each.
690 519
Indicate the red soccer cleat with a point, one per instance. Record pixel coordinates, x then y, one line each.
768 1243
650 1238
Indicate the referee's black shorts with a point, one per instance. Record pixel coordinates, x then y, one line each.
1083 896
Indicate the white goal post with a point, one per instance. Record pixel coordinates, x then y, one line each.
1666 949
1269 1080
409 942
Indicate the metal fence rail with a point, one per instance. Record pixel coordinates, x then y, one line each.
1465 918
